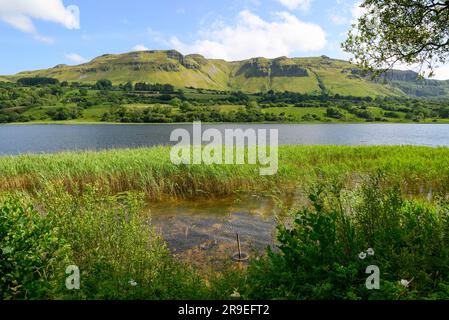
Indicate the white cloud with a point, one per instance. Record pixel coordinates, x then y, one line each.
140 47
442 73
252 36
296 4
76 58
21 13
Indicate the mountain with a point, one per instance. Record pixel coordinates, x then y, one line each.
302 75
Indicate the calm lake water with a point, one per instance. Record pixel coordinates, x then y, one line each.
18 139
211 226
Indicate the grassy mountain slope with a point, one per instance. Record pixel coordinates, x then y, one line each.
149 66
336 77
303 75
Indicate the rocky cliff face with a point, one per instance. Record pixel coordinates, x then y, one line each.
281 67
192 62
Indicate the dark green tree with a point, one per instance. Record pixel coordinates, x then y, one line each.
444 112
128 86
103 84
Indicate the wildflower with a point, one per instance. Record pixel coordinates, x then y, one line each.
235 294
132 283
405 283
362 255
370 252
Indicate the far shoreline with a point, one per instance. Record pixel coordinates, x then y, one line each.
81 123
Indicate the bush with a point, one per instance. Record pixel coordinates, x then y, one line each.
32 254
103 84
62 114
444 112
335 113
318 255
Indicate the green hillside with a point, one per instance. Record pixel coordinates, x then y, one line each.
301 75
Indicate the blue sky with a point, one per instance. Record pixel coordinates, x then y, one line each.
42 33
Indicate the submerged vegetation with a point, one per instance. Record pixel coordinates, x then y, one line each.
87 209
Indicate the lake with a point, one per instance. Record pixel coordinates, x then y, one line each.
19 139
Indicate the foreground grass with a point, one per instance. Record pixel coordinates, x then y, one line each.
419 171
86 209
109 238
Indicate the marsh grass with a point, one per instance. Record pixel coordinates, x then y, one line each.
419 170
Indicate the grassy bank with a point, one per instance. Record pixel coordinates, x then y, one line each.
419 170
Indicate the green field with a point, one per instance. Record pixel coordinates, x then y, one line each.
92 114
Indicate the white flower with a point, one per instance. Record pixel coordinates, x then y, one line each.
235 294
370 252
405 283
362 255
132 283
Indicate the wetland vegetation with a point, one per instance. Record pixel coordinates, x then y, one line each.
87 209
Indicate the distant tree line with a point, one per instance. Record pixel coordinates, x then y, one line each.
296 98
61 114
37 81
165 88
189 113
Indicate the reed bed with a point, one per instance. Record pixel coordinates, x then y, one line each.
419 170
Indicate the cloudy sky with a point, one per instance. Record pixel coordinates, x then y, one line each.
42 33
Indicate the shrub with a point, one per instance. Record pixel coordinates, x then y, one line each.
32 254
62 114
317 256
335 113
103 84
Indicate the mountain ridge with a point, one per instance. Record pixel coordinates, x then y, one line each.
311 75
